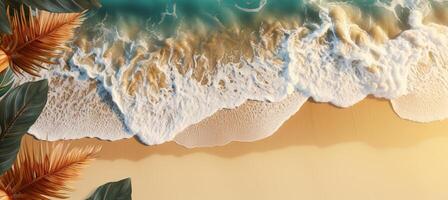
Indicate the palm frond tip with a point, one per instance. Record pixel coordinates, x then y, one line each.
42 173
38 39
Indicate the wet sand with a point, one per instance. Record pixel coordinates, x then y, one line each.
322 152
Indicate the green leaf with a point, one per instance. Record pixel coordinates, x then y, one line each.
6 81
19 109
4 22
63 6
120 190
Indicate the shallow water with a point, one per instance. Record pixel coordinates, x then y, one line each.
154 68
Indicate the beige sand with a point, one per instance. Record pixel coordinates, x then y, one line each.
323 152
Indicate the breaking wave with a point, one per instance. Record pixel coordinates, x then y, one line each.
154 68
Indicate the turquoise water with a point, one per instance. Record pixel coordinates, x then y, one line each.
166 65
168 14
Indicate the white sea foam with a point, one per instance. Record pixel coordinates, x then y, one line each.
252 121
336 62
427 91
78 109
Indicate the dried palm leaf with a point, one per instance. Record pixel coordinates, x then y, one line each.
37 39
42 173
4 60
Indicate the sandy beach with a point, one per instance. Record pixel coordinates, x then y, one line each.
224 99
322 152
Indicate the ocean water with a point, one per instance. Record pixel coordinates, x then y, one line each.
153 68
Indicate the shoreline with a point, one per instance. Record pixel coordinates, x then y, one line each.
291 115
320 119
316 145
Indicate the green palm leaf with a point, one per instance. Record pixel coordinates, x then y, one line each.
120 190
19 109
6 81
4 23
66 6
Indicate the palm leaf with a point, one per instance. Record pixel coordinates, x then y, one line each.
59 6
120 190
6 81
4 23
43 173
20 108
66 6
4 61
38 39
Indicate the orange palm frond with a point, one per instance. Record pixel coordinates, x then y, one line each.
42 173
38 38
